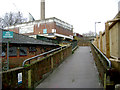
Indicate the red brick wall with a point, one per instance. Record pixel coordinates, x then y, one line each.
16 61
50 26
16 30
63 31
40 28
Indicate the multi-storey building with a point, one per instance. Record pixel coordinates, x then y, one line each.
50 27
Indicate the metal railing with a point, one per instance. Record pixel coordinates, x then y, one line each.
37 71
45 53
107 73
105 58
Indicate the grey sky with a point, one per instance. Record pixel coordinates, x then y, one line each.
82 14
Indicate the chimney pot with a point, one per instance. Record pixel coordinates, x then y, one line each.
118 6
42 9
42 0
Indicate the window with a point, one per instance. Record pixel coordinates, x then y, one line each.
53 30
23 51
32 49
2 51
13 51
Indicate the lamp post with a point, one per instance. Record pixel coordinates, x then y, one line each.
95 27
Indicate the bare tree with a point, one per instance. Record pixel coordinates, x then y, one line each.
11 19
89 34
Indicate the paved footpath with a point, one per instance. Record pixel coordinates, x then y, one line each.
77 71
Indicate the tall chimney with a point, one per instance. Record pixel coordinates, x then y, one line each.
42 9
118 6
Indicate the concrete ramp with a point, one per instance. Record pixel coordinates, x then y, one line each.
77 71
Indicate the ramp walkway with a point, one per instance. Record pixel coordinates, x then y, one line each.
77 71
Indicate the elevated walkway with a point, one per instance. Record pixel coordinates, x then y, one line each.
77 71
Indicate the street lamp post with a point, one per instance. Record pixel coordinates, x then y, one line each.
95 27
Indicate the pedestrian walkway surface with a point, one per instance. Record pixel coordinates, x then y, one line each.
77 71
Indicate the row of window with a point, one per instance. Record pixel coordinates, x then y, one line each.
22 51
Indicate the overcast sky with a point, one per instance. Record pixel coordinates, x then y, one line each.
82 14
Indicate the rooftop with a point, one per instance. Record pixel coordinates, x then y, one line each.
47 20
23 39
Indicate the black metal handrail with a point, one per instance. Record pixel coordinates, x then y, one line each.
29 59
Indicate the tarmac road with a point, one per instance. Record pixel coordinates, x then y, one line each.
77 71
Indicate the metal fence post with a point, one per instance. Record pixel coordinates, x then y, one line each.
8 55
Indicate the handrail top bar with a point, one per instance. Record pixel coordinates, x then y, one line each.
41 55
109 62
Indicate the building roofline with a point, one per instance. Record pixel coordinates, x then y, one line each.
30 40
39 21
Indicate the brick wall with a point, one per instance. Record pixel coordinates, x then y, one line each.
39 29
49 27
16 61
35 71
63 31
16 30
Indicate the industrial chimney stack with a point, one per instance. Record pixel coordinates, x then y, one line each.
42 9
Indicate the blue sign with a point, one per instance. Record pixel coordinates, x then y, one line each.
7 34
44 31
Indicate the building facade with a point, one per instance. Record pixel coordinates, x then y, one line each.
22 47
51 27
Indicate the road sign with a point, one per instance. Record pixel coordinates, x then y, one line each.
7 34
